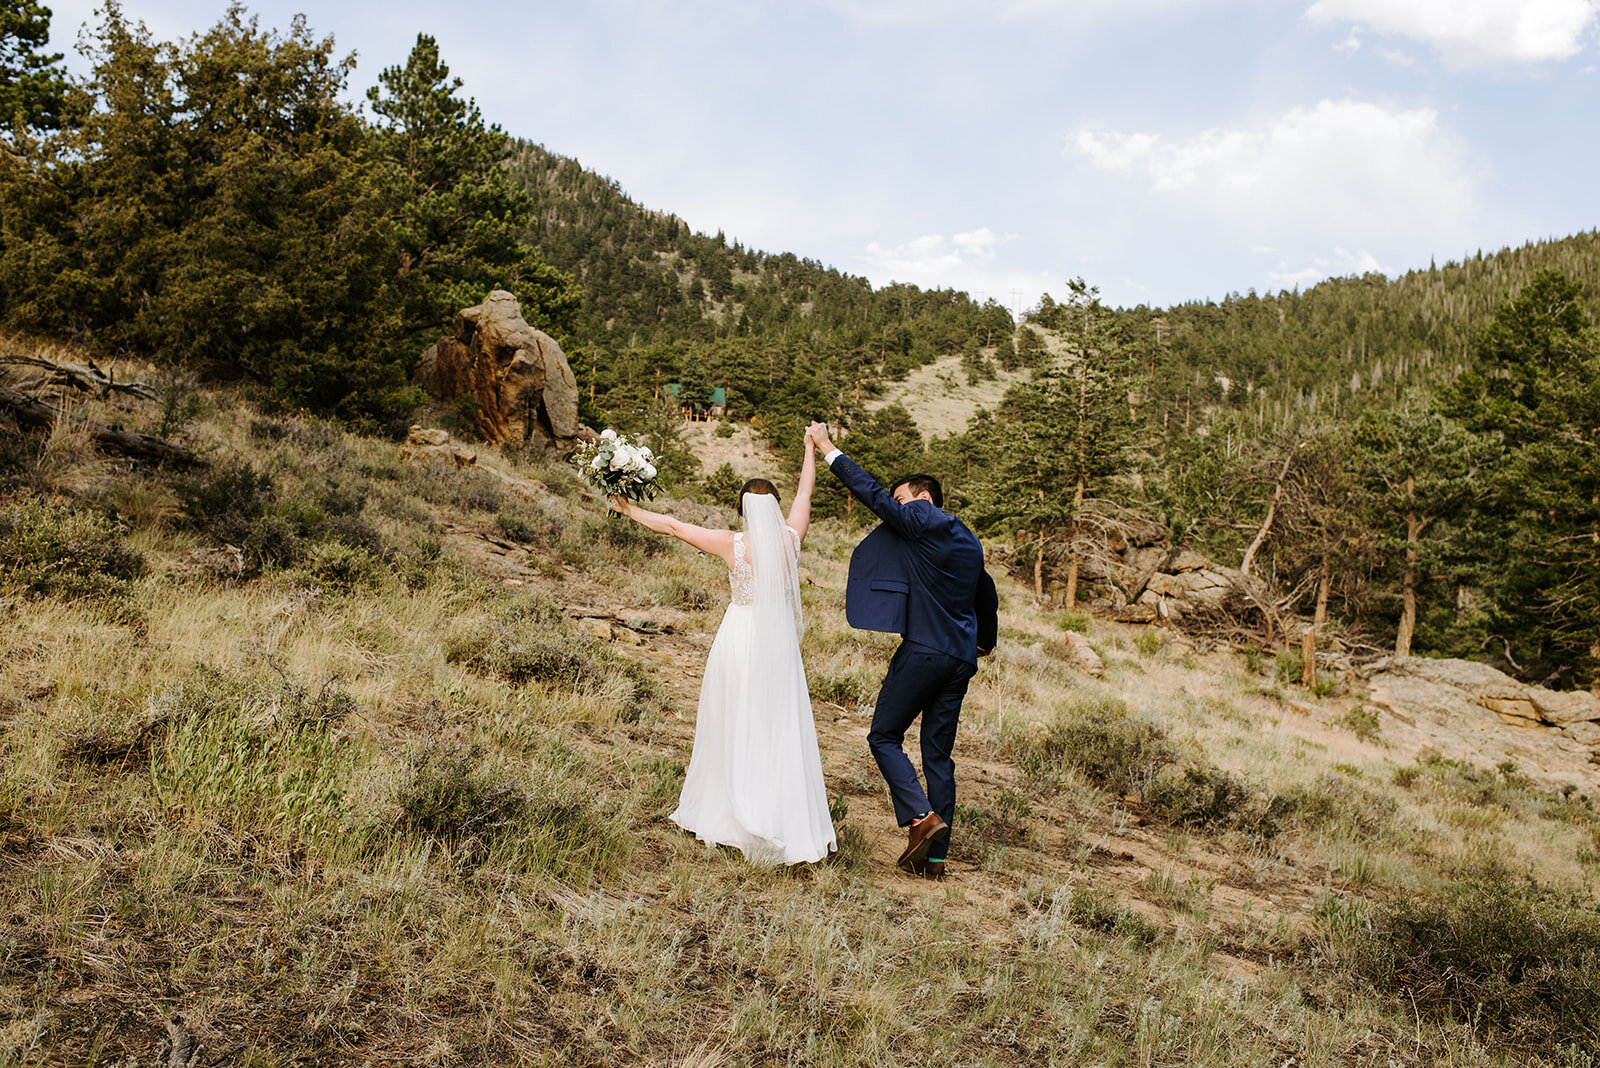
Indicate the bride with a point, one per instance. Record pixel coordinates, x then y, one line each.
755 777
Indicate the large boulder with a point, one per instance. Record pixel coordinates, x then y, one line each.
1465 691
520 378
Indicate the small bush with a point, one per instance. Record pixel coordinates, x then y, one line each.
1149 642
529 645
1362 722
1333 801
1098 910
628 536
449 797
1199 797
1289 666
226 500
1077 621
1104 741
724 429
56 550
1514 959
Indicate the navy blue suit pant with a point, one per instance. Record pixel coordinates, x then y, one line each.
921 682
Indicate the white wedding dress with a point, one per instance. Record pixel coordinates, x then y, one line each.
755 777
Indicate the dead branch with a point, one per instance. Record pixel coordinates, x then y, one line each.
32 412
1266 524
88 378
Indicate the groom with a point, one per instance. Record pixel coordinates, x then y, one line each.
918 574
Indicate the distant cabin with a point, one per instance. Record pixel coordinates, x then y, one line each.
715 408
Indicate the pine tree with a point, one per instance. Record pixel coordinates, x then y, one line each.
33 86
1536 389
1420 469
1058 439
460 216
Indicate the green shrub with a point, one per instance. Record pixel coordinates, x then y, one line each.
1362 722
449 797
345 568
1289 665
1101 739
722 486
1199 797
452 797
1099 910
628 536
724 429
1077 621
1514 959
1332 801
226 500
53 549
529 644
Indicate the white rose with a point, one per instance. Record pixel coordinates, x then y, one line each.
619 460
598 463
609 434
649 471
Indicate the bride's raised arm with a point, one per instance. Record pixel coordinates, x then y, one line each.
716 542
800 510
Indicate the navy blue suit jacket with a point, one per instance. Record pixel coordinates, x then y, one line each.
918 574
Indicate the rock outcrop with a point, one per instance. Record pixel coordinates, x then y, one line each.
520 379
1477 698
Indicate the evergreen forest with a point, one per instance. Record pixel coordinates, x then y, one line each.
1412 462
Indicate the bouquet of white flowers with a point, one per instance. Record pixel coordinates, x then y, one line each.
616 465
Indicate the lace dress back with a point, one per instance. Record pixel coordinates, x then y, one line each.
741 577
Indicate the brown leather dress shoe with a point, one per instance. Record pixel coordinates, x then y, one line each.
924 833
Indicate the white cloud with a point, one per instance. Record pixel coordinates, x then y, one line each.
1338 173
934 255
880 13
970 261
1341 262
1351 43
1474 33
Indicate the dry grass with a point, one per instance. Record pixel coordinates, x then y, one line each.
409 807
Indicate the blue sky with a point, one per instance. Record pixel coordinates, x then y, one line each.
1165 150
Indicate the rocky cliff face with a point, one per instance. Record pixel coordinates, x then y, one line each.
1472 711
520 379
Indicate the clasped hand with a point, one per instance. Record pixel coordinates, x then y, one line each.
817 437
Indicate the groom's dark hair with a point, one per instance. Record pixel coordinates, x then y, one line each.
922 484
756 485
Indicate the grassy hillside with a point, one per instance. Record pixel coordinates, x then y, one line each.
387 783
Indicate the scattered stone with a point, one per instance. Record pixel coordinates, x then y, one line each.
1083 654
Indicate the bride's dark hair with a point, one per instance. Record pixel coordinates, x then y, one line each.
756 485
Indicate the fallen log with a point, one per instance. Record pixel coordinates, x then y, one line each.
79 376
33 412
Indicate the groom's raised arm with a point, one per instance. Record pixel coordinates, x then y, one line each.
904 520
